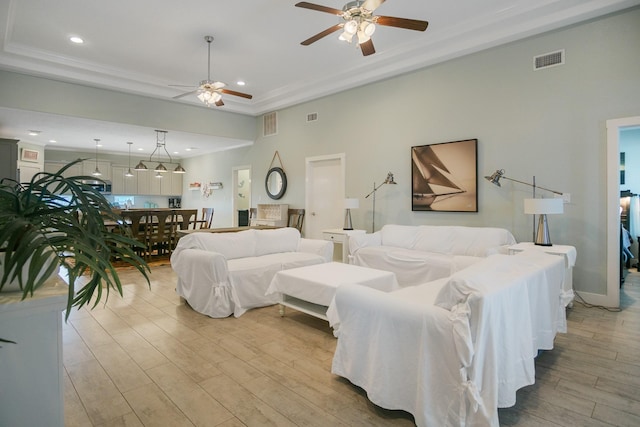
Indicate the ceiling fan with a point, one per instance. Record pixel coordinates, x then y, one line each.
209 91
359 21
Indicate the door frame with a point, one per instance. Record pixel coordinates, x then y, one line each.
612 298
309 161
234 191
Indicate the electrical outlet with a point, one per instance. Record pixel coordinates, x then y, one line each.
566 197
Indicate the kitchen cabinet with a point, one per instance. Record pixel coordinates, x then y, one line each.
53 167
171 184
121 184
89 166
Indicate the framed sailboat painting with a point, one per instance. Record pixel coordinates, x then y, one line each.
445 177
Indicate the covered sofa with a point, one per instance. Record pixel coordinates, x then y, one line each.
220 274
454 350
421 253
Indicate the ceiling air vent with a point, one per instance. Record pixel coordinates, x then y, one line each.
312 117
547 60
270 124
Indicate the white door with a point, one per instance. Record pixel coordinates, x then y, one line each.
324 201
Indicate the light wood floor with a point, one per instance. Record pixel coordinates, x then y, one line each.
148 360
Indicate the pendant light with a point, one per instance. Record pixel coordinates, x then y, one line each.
97 171
161 136
129 173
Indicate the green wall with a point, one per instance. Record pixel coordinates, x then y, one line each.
549 124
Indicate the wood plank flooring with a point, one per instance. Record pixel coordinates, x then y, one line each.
149 360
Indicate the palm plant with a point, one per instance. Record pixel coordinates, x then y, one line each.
57 221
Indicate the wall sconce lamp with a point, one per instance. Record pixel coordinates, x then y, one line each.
349 204
388 180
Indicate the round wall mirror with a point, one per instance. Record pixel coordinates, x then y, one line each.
276 183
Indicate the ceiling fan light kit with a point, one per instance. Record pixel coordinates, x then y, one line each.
209 91
359 21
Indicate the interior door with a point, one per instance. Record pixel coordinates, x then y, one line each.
325 190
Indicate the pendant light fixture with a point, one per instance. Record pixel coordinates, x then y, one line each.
161 136
129 173
97 171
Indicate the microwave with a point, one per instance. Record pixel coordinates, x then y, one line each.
102 186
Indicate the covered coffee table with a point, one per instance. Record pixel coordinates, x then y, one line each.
311 289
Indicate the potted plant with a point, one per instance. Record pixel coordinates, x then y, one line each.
55 221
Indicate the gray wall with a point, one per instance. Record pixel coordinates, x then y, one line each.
549 124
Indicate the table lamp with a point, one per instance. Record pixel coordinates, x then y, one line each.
349 204
543 207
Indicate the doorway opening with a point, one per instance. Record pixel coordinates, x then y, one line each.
241 196
614 127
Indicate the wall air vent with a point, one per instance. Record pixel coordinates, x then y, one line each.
547 60
270 124
312 117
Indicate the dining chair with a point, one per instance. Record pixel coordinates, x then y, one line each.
253 215
207 218
162 232
296 219
138 222
187 218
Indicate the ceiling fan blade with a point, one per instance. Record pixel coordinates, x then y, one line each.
367 48
408 24
234 93
322 34
219 103
371 4
319 8
185 94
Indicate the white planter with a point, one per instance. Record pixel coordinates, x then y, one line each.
14 286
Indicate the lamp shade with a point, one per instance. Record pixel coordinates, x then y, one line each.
351 203
543 206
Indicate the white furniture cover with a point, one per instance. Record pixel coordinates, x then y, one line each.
451 351
220 274
422 253
318 283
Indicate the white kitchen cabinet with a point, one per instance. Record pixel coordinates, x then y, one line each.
75 170
122 184
89 166
171 184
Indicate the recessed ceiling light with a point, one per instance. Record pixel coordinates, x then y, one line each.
176 152
34 132
76 40
187 149
240 83
53 141
98 145
140 149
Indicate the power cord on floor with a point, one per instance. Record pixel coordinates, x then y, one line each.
582 302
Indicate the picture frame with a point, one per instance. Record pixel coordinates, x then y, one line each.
28 155
444 176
